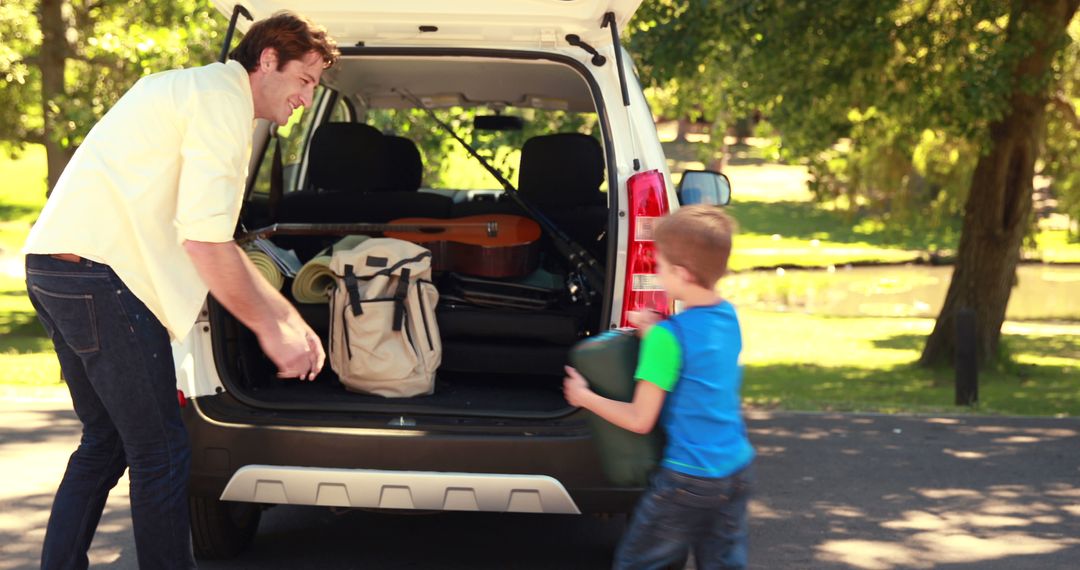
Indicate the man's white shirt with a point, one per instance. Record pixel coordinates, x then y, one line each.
166 164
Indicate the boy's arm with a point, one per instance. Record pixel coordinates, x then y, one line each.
638 416
659 364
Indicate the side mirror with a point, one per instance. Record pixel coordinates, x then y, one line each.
498 123
704 187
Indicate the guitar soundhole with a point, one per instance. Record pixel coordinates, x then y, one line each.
432 230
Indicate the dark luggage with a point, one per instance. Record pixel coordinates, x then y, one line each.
608 362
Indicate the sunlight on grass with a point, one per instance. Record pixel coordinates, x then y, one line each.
39 369
756 250
22 195
1042 292
26 355
768 183
804 362
1055 247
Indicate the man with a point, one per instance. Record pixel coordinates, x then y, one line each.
137 230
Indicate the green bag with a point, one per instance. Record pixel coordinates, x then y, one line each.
608 361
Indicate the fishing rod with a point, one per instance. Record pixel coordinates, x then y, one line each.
580 259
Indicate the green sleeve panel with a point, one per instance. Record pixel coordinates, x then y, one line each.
660 359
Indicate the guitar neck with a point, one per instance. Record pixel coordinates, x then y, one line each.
343 229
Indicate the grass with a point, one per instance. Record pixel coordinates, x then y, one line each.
26 356
793 361
1054 246
804 362
22 196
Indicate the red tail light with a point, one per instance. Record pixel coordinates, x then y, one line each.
647 203
181 398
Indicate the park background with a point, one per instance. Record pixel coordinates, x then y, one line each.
853 138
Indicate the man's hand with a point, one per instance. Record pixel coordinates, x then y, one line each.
295 350
316 354
575 388
283 335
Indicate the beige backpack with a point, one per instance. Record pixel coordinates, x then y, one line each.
383 336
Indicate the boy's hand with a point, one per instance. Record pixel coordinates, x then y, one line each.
643 320
575 387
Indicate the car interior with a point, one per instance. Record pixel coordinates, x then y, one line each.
380 158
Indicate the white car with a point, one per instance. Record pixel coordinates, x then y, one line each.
545 93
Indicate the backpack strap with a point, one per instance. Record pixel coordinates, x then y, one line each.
353 289
399 299
393 268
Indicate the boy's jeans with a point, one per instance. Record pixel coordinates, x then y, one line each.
117 361
679 513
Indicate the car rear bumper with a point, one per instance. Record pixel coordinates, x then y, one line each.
341 466
409 490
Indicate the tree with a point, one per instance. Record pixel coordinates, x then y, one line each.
65 62
998 210
942 104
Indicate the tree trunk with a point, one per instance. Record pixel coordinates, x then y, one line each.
52 62
999 203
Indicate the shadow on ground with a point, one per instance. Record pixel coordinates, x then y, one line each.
833 491
22 551
886 492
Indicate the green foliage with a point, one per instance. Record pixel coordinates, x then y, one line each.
888 100
19 35
109 46
1061 156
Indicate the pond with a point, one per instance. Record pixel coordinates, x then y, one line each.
1044 292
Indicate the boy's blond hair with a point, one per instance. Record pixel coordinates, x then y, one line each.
697 238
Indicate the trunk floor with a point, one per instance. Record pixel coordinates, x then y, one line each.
501 394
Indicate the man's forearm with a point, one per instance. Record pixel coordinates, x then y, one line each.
236 283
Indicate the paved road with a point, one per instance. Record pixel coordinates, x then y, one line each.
835 491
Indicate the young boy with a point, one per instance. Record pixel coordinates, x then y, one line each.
697 499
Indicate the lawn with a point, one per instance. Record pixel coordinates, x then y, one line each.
26 355
22 195
804 362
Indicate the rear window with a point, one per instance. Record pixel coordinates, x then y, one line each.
448 166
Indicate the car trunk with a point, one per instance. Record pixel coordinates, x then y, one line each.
496 361
499 359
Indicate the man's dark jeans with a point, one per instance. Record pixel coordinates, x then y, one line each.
117 361
680 513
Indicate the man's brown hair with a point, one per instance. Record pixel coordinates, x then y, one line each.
697 238
291 35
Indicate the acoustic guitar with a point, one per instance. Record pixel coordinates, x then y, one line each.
489 245
492 245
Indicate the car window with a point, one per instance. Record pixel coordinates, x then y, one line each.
448 166
293 137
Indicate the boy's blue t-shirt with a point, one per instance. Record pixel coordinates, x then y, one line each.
694 356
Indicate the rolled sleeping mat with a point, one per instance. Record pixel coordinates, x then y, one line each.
608 361
314 278
266 266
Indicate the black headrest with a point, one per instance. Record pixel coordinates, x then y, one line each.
404 169
562 170
346 156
